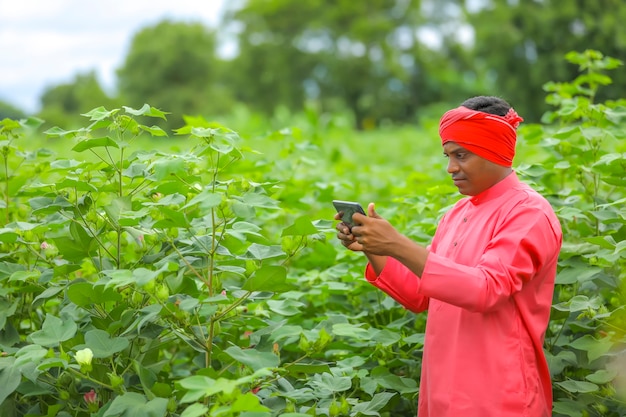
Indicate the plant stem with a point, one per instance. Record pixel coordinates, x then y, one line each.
6 188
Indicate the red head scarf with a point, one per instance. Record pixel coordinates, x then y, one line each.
487 135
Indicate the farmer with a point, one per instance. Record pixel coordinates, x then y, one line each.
486 279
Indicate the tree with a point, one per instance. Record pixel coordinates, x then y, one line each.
171 66
62 104
366 56
7 110
523 43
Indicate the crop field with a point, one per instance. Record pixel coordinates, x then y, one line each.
196 272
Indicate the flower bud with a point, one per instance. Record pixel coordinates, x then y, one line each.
84 356
91 399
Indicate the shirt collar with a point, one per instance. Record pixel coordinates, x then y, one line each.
496 190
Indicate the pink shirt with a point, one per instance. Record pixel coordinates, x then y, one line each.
487 285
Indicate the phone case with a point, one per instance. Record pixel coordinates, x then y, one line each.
348 208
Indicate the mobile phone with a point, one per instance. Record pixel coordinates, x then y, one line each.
348 208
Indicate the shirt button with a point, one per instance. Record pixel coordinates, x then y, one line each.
454 243
464 219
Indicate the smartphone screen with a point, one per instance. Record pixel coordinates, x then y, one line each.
348 208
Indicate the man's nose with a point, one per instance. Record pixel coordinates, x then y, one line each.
452 166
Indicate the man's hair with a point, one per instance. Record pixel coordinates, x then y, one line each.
487 104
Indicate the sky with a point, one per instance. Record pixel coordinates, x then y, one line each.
44 43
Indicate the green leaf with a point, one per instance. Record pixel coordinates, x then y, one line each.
102 344
301 227
573 275
206 199
48 293
595 348
87 144
297 369
85 294
57 132
199 386
415 338
568 407
558 362
578 386
579 303
268 278
10 377
118 206
146 110
153 130
253 358
24 276
54 331
175 199
50 363
173 218
123 277
387 380
136 170
285 307
75 184
261 252
286 333
204 132
606 242
351 330
71 250
134 404
386 337
247 402
372 408
258 200
29 355
8 235
7 309
602 376
46 205
195 410
164 168
100 113
147 314
327 384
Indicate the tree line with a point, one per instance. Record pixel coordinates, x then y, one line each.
381 60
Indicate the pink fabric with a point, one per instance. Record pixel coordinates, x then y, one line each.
487 285
487 135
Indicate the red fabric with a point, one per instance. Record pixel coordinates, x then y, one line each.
487 135
487 286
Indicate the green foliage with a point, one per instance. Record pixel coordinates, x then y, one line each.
206 280
522 44
140 282
366 57
584 140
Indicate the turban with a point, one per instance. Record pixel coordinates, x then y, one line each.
487 135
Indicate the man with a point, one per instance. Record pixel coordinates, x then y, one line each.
486 279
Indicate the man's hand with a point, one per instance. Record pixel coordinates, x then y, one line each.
345 236
373 234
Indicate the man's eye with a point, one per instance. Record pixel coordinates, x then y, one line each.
460 155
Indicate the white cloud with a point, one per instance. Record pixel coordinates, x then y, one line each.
45 43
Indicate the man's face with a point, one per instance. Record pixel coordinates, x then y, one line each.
471 173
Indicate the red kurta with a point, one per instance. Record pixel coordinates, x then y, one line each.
488 285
